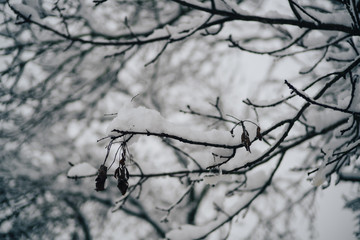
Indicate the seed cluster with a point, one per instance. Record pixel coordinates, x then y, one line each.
121 173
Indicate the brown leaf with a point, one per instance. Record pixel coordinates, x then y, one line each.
101 178
122 185
117 173
121 172
258 133
122 175
246 140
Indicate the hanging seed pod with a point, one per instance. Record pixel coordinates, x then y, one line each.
258 133
122 185
101 178
122 175
246 140
122 161
121 172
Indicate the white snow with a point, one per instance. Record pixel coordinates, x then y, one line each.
81 169
236 203
213 179
320 176
141 119
225 5
324 170
323 119
340 17
27 11
277 14
194 232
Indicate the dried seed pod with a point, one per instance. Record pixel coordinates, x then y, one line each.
246 140
258 133
122 161
122 185
101 178
122 175
117 173
121 172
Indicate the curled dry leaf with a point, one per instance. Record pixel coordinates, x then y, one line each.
122 175
122 185
101 178
246 140
258 133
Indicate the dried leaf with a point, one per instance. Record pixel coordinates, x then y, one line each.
122 185
258 133
122 175
246 140
101 178
121 172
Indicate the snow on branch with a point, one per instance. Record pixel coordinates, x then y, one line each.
240 203
81 170
143 121
312 101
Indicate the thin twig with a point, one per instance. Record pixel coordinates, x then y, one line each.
312 101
